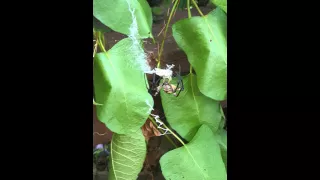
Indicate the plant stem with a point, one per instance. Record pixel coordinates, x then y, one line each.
103 39
188 6
153 40
166 127
99 39
95 47
189 16
174 13
165 32
195 4
100 43
184 145
222 112
169 139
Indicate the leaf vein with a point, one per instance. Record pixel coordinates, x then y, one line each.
122 164
194 97
124 148
123 155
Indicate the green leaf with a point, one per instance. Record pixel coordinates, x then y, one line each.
97 25
220 3
121 89
179 165
127 156
117 16
204 41
187 112
222 140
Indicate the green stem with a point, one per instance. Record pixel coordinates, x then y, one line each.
165 31
222 112
196 5
189 16
95 48
189 11
174 13
169 139
104 40
100 42
184 145
153 40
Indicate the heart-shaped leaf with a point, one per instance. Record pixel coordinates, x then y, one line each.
117 15
187 112
127 156
205 162
221 3
121 89
204 41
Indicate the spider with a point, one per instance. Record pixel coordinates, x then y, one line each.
166 75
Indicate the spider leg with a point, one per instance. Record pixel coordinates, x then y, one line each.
150 89
180 89
153 83
157 80
178 82
180 85
180 78
158 89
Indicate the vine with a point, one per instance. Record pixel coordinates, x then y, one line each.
191 103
